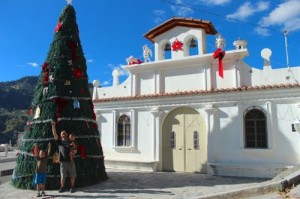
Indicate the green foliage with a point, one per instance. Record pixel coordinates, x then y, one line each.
63 82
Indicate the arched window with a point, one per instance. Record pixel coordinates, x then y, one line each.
124 131
255 124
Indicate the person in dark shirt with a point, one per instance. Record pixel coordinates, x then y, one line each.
67 167
41 169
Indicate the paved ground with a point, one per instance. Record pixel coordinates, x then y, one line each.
163 185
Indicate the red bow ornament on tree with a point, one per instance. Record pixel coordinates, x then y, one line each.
81 150
77 73
58 26
219 53
73 46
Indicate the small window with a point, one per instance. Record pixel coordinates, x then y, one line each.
255 129
124 131
196 139
173 140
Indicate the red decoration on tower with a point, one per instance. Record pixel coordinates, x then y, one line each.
58 27
46 78
177 45
81 150
73 46
77 73
219 53
45 67
61 103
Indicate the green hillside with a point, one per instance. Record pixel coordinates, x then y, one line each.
15 99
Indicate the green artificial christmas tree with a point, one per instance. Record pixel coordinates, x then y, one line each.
62 96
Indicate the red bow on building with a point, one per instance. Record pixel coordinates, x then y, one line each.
219 53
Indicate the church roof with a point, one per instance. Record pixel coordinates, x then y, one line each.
207 26
200 92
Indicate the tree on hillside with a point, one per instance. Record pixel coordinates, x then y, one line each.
62 95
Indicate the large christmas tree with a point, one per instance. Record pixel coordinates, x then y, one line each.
62 95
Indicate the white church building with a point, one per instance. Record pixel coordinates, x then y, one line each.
176 113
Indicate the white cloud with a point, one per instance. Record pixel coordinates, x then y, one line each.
105 83
33 64
120 68
215 2
181 11
158 16
90 60
286 15
248 9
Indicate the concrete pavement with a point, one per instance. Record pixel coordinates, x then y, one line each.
169 185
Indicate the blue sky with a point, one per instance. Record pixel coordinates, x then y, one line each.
112 30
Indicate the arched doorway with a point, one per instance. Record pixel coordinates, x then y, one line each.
184 141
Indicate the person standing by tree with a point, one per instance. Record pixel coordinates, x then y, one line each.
41 168
67 167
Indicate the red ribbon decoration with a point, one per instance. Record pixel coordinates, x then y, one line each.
73 46
45 69
46 78
61 104
219 53
58 27
177 45
77 73
138 61
81 150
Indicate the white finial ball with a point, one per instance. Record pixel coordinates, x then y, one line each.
69 2
115 73
266 53
96 83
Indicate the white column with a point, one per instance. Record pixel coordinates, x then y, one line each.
210 111
133 85
114 124
157 82
236 77
156 132
271 128
98 115
133 128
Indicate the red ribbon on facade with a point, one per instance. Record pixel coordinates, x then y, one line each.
138 61
177 45
219 53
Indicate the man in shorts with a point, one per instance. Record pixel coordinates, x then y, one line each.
67 167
